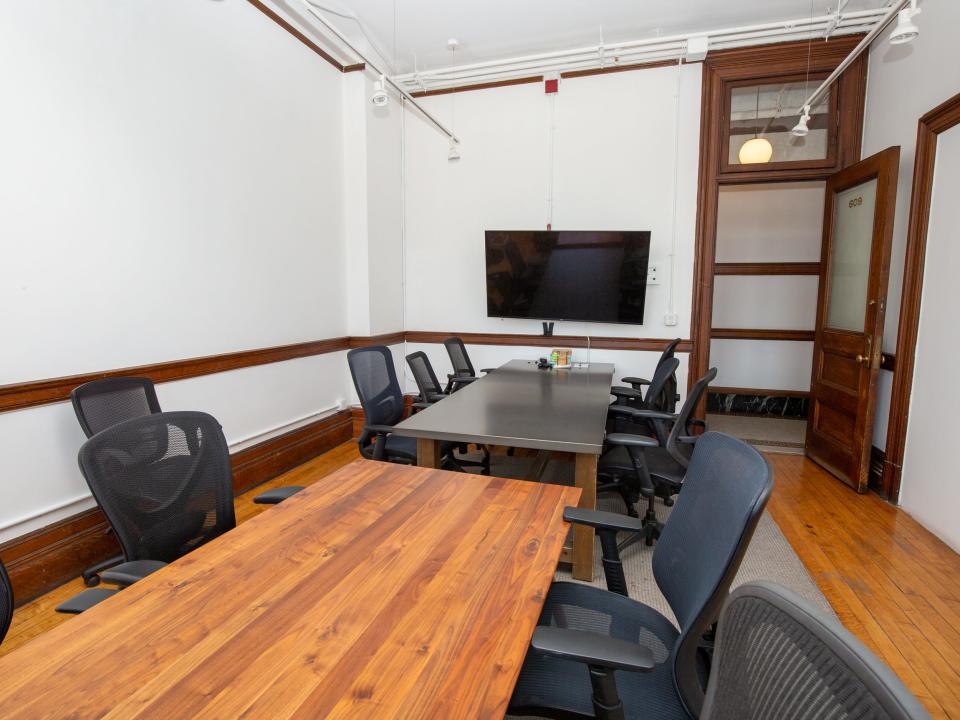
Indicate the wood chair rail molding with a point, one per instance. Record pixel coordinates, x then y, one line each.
930 126
762 63
761 334
773 268
577 341
17 396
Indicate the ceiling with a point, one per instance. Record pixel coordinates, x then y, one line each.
498 29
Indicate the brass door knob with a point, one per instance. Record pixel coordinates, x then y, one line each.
863 359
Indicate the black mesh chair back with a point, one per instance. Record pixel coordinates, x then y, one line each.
726 488
462 367
163 481
424 376
375 378
656 397
102 403
779 657
683 425
6 601
669 397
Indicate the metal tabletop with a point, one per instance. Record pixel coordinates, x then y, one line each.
519 405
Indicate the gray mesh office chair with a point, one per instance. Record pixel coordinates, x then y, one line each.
585 633
634 393
102 403
164 482
650 467
375 379
779 657
463 372
6 601
656 400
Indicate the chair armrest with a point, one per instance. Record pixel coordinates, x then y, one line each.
626 392
602 520
640 413
592 649
127 573
632 441
379 429
462 379
487 370
635 380
421 405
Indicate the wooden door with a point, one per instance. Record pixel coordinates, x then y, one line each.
855 262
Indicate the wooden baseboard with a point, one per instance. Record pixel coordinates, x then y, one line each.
43 559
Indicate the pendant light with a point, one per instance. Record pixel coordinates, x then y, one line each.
756 150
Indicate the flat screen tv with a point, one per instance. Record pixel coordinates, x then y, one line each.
567 275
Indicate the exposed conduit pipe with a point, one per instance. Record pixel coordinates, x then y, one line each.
409 98
854 54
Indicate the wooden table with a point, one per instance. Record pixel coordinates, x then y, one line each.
380 591
519 405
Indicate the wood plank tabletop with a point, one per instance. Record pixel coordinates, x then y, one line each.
380 591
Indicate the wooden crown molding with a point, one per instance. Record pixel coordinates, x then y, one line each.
45 558
282 22
938 120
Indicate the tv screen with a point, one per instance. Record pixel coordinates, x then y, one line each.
567 275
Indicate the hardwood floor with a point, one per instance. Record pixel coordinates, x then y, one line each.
892 583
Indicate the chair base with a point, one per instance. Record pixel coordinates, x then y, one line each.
91 576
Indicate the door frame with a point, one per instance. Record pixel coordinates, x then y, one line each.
886 193
931 125
759 63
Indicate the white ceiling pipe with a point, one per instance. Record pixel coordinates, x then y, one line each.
891 13
329 26
608 48
754 31
432 81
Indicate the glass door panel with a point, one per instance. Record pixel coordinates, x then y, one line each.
850 263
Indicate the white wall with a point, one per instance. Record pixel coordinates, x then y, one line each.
780 222
903 83
613 168
170 187
931 483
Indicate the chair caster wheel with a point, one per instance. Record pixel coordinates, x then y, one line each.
668 502
91 581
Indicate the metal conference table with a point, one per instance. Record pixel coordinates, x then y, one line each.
519 405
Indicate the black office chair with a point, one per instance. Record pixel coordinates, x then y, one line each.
641 466
463 372
656 399
426 379
430 393
779 657
164 482
634 393
102 403
98 405
375 379
6 601
586 633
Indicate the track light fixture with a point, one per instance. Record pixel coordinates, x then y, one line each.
380 97
906 29
801 128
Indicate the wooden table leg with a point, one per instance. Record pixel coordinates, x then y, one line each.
586 480
428 453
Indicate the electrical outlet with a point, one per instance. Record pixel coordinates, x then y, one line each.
653 277
670 319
